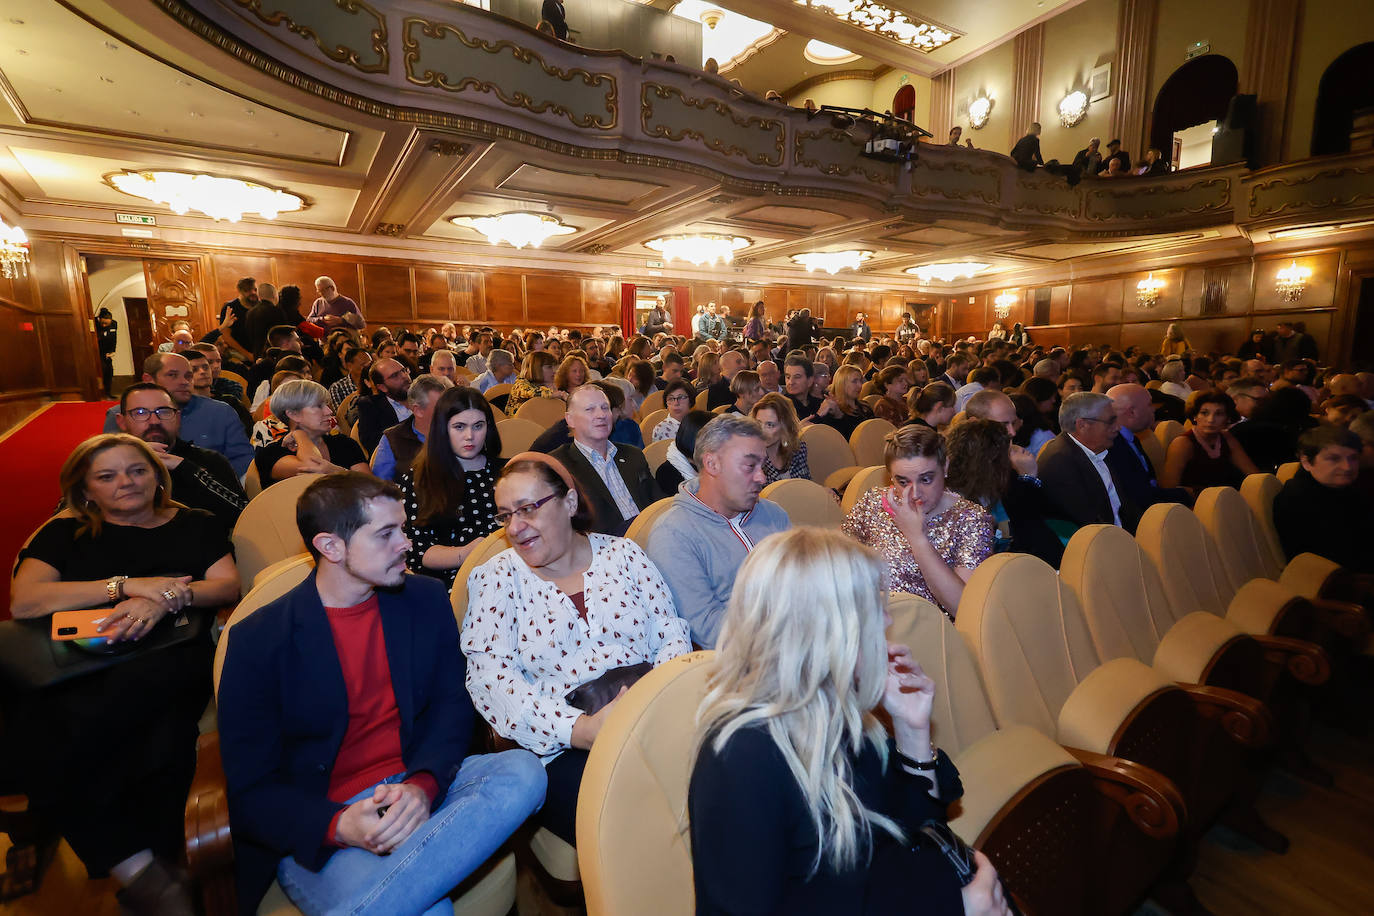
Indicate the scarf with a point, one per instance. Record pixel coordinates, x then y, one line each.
681 463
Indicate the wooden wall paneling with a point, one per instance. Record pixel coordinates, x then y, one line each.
62 351
431 290
1220 334
888 313
504 299
1097 302
1059 303
231 267
834 311
968 315
600 301
303 269
1082 335
552 299
466 296
386 290
174 293
1321 286
1050 337
774 302
21 359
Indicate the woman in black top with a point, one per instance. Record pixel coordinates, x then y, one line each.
448 492
308 447
108 755
679 465
844 840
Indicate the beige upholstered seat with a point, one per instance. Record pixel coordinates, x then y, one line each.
277 580
266 531
496 391
644 522
805 502
489 547
632 806
252 481
1259 491
865 480
655 453
497 413
1246 550
517 435
721 408
341 412
652 404
702 397
1167 431
1287 471
242 383
651 420
544 411
826 451
1154 449
867 441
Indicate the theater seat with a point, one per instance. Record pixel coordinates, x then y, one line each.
1288 471
655 453
867 441
266 532
651 419
1166 431
826 452
643 523
497 391
865 480
1153 449
653 403
517 435
489 547
252 481
543 411
805 502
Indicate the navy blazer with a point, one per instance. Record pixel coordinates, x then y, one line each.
375 417
283 712
1136 484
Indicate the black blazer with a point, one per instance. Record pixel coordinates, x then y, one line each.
283 713
1134 483
1074 489
553 11
719 394
634 470
375 416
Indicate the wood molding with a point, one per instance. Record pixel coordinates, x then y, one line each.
1028 52
1135 38
1271 43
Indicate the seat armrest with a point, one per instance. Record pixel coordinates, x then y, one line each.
1344 617
1307 662
1150 799
1245 719
209 848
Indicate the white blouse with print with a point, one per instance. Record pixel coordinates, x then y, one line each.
527 648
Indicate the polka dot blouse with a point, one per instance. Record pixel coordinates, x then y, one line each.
527 647
475 519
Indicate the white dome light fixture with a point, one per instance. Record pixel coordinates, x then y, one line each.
818 52
705 249
1073 108
518 229
979 110
218 198
947 272
832 262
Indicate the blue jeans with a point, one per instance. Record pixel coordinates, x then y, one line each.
490 797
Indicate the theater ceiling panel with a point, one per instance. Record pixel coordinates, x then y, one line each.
587 187
1060 251
799 220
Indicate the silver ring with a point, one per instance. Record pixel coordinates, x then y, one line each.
169 595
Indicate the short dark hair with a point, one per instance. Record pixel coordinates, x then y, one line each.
353 353
1311 443
293 362
1200 399
194 355
801 362
680 384
614 393
279 333
141 386
246 284
337 504
985 374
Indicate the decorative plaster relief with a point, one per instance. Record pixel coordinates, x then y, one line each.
517 76
1158 201
834 152
666 112
1326 188
956 180
347 31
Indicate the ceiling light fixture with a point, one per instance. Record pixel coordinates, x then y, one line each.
1073 108
887 22
947 272
728 37
979 110
832 262
14 251
818 52
1001 306
704 249
1147 291
1292 281
218 198
519 228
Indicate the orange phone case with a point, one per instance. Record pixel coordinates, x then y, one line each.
78 624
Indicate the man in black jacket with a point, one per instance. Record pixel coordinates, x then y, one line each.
1074 470
201 479
1026 152
379 412
615 478
1135 474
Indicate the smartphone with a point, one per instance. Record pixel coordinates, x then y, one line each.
78 624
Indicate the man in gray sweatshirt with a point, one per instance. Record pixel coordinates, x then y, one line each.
715 520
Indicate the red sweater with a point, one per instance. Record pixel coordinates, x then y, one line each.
371 749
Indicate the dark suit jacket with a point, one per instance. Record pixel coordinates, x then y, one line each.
375 416
719 394
634 470
283 713
1074 489
1137 485
553 11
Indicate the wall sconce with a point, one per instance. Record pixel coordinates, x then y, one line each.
1291 281
1001 306
979 110
1073 108
1147 292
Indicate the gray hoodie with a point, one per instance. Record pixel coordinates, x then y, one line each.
699 552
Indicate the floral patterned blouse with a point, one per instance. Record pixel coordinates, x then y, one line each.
962 535
475 519
797 469
523 390
527 647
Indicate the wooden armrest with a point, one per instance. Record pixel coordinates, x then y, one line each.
1245 719
1344 617
209 848
1307 662
1150 799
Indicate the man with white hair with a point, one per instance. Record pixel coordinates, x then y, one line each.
501 370
333 309
444 364
1048 368
1171 377
1073 466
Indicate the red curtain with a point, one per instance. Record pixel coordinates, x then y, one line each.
627 309
682 311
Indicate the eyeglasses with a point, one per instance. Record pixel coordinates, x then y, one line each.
1109 421
676 399
524 513
142 413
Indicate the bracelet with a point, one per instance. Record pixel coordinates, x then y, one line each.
926 765
114 589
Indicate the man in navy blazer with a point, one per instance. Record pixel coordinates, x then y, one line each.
1136 475
344 724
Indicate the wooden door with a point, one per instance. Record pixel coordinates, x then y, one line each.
140 329
173 293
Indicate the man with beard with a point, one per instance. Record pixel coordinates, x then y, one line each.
201 479
238 308
379 412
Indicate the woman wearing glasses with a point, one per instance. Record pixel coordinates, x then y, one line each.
561 608
677 398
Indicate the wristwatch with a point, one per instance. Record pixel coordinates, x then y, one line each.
114 589
925 765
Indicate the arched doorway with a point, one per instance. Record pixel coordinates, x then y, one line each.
904 102
1345 88
1197 93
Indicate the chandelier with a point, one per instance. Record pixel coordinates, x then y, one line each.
947 272
1073 108
1001 306
14 251
1291 282
1147 292
979 110
520 228
218 198
886 21
832 262
705 249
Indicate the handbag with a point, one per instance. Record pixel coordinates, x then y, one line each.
939 835
593 696
30 659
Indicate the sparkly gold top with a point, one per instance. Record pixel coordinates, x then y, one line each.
962 535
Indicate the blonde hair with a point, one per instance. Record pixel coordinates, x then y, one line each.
708 368
787 416
72 478
837 384
802 655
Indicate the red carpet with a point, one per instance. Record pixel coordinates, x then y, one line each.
31 456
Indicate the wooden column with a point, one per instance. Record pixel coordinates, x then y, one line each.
942 105
1135 35
1271 38
1028 50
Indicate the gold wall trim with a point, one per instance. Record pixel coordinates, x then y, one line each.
339 53
1159 201
1325 188
799 154
664 93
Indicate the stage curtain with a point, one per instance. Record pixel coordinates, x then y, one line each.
627 309
682 311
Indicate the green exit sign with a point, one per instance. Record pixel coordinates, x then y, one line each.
135 219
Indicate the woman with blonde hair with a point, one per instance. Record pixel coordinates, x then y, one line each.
707 369
842 408
1175 343
786 453
536 380
799 802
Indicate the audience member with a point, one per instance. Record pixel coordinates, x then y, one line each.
400 444
982 378
747 390
892 383
732 362
1135 474
232 315
261 318
355 364
1074 469
1089 159
536 380
842 410
379 412
1026 152
785 453
500 370
1115 154
308 447
932 406
1207 455
797 375
202 384
1320 510
615 478
1290 343
333 309
677 399
677 465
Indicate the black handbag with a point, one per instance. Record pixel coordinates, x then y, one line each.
592 696
939 835
30 659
